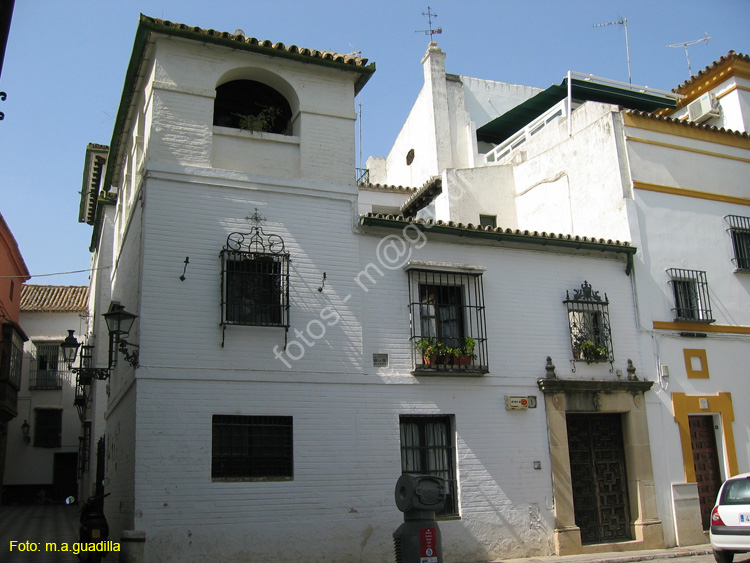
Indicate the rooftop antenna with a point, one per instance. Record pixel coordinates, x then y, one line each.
430 14
623 22
685 44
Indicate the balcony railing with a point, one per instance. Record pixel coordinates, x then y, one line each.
43 379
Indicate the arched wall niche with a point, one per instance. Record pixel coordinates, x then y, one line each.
256 99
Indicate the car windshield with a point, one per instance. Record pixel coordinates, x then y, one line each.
736 491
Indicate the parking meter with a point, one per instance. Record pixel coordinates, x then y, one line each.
419 497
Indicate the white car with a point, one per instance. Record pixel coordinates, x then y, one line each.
730 519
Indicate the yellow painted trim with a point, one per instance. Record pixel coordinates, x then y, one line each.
690 193
688 130
689 354
732 89
700 327
688 149
721 403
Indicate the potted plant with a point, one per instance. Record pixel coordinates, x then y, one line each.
591 351
465 353
429 350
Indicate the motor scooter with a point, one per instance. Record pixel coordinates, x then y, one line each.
93 532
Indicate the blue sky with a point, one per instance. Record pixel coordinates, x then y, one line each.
66 59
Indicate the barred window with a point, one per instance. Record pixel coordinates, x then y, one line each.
739 230
448 328
690 293
428 448
252 448
46 368
588 320
13 347
255 280
48 428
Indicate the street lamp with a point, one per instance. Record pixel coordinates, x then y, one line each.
25 428
119 322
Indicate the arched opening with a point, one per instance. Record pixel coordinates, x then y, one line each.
252 106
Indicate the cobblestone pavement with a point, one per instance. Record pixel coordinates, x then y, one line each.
38 525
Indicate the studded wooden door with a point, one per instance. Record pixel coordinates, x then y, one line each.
597 474
706 463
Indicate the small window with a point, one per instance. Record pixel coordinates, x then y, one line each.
588 320
448 330
252 106
488 221
252 448
46 368
48 428
739 230
428 448
690 293
255 280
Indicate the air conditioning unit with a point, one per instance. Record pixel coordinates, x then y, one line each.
705 107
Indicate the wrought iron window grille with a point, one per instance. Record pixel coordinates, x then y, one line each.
47 368
252 448
739 231
448 325
590 330
255 280
690 293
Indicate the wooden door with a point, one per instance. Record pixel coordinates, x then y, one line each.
706 463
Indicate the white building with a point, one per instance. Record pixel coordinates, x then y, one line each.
593 157
45 462
273 393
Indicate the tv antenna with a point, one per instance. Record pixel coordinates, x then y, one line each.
429 14
686 44
623 22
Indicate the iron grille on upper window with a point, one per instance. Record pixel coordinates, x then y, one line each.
255 280
588 319
47 368
252 448
690 292
428 448
448 329
48 428
739 230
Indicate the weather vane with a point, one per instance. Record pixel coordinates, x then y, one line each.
685 44
429 14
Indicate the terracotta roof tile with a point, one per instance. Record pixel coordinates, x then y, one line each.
54 298
731 56
240 38
687 123
469 227
387 188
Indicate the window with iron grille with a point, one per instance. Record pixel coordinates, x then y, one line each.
739 230
255 280
428 448
84 448
11 351
448 328
47 367
588 320
252 448
690 293
48 428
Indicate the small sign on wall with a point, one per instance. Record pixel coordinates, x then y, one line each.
519 402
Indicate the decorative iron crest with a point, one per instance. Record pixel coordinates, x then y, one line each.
586 293
257 239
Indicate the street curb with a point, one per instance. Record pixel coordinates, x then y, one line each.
616 557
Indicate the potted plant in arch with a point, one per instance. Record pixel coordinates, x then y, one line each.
429 350
466 355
